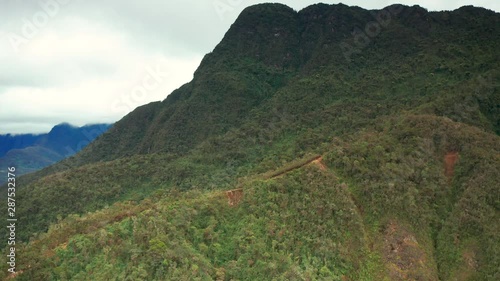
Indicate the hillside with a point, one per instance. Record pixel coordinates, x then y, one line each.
309 145
30 153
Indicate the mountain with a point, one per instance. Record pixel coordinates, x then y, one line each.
332 143
30 153
10 142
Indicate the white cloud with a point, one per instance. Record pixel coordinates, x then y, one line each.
95 99
82 72
92 61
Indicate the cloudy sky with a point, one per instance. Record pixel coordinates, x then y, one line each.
90 61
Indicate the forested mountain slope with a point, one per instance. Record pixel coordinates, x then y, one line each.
398 108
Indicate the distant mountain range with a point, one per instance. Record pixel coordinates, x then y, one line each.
30 152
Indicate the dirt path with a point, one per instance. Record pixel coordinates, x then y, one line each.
234 196
319 163
317 160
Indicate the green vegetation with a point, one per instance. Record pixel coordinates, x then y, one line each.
147 201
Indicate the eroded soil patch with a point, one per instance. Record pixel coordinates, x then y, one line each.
450 159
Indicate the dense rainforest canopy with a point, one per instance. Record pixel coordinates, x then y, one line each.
333 143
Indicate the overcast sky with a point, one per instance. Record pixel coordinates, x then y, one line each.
93 61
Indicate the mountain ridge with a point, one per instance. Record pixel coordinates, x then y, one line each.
184 92
150 194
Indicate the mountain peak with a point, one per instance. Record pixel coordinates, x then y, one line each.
388 159
62 127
